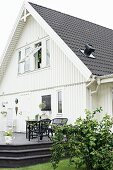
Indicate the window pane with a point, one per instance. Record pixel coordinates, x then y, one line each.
38 58
47 100
19 56
47 52
59 102
21 67
27 51
27 65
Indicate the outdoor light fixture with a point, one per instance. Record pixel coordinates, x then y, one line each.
16 107
16 101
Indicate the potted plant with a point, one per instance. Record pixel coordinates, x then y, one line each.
8 136
42 105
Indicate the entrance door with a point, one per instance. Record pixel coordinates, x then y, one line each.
9 123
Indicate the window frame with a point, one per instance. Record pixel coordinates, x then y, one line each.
47 108
48 51
59 110
38 64
24 56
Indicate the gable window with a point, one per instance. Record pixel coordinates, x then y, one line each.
35 56
47 100
38 55
48 52
59 101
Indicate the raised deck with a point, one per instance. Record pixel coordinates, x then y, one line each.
23 152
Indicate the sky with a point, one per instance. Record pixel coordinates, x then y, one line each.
96 11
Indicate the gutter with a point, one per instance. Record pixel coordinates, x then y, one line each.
106 76
99 80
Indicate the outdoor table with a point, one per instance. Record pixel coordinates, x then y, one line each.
39 128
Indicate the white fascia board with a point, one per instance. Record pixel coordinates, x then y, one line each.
67 51
12 33
107 80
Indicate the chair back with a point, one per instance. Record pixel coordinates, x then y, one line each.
59 121
44 125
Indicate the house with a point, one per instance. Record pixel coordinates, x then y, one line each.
58 59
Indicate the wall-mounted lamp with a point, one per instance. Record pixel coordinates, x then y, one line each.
16 101
16 107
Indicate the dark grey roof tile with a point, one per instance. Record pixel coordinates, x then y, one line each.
77 32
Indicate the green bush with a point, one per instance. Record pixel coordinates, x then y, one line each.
89 142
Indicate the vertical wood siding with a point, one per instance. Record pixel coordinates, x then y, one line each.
61 72
103 99
29 87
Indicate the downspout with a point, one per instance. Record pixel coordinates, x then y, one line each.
98 84
91 82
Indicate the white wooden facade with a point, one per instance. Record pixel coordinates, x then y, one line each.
64 74
30 86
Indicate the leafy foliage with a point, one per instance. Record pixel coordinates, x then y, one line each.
89 142
8 133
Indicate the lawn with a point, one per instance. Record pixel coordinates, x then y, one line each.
63 165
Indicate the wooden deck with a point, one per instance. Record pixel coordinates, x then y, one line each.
20 139
23 152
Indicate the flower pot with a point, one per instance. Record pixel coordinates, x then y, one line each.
8 139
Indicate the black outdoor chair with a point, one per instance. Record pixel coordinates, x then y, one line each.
57 122
29 126
39 129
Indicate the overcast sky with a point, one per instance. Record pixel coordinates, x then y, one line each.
96 11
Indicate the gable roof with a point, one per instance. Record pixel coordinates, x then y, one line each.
76 33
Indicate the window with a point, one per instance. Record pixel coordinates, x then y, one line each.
47 100
38 55
27 59
24 60
27 51
48 52
19 56
59 102
27 64
20 63
34 56
21 67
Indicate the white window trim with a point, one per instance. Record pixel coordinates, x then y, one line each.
31 55
59 114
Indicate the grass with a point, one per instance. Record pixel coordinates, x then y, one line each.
63 165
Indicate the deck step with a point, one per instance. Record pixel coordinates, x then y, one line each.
12 156
12 162
25 146
27 152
